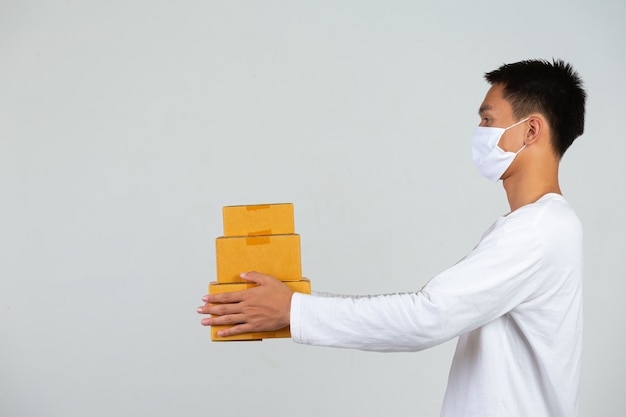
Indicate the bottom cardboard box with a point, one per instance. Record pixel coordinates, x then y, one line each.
303 286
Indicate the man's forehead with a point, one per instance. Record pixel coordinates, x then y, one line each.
494 100
484 108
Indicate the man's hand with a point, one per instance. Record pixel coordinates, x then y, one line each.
265 307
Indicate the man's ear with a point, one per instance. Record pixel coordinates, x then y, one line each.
536 128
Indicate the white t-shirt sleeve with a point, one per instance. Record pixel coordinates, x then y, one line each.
495 277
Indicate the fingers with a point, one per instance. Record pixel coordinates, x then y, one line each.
222 321
235 321
225 320
219 309
260 308
235 330
229 331
221 314
225 297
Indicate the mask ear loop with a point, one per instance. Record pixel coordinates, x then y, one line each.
513 125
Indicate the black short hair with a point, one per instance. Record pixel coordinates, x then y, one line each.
553 89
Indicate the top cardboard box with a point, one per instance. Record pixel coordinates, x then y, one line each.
258 220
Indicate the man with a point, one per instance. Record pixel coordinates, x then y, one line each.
515 301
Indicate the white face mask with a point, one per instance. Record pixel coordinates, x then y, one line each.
491 160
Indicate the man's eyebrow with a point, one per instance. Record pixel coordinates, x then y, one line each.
484 108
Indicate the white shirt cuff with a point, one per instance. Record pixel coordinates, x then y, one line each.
294 317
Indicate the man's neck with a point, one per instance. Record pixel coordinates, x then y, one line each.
523 190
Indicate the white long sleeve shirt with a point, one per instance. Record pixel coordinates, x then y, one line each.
515 301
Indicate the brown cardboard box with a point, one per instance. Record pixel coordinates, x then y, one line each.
258 219
303 286
275 255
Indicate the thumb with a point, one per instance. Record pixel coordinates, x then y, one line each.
256 277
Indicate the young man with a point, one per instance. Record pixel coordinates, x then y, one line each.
515 301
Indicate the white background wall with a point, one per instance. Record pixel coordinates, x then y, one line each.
125 126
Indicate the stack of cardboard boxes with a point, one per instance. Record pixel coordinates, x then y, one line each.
258 238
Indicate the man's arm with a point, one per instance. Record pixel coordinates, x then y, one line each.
498 275
265 307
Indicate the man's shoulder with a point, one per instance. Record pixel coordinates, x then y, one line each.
549 207
550 216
